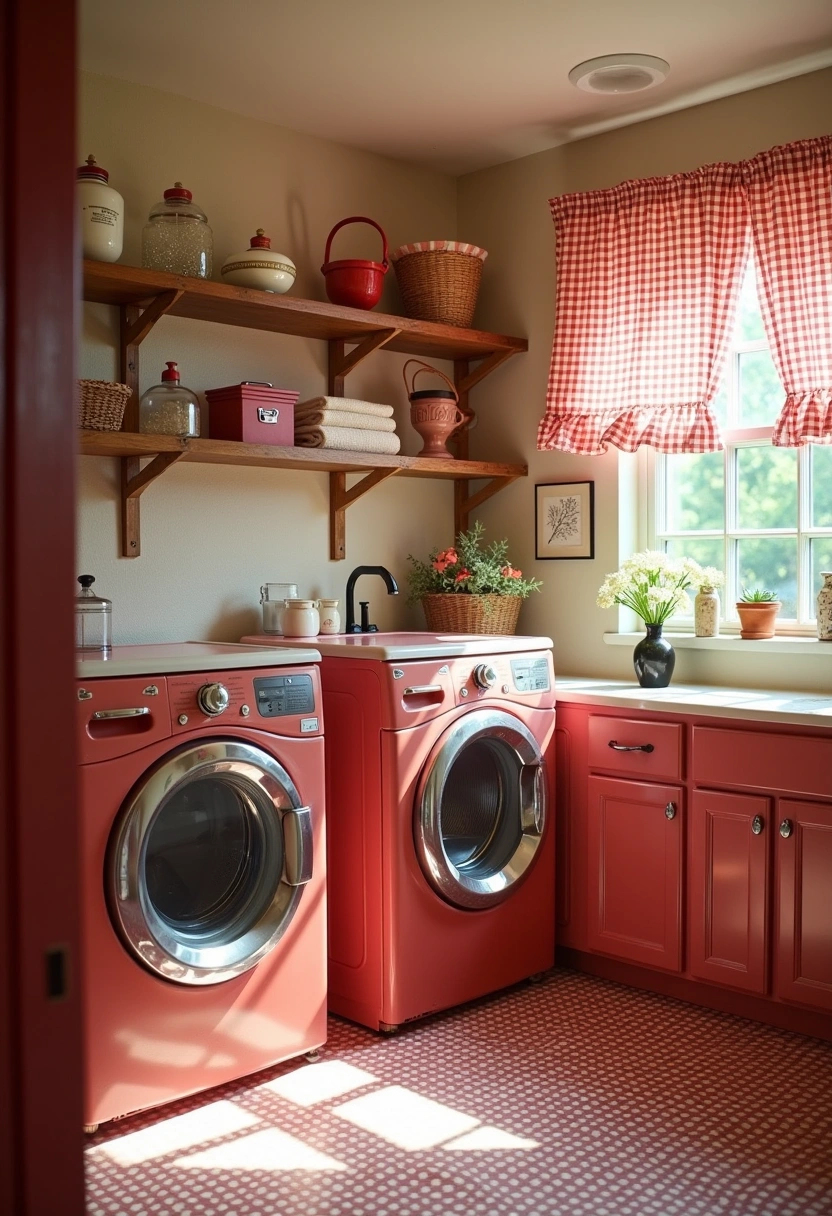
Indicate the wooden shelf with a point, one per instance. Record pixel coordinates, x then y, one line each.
203 300
145 296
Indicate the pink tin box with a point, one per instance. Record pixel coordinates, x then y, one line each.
253 412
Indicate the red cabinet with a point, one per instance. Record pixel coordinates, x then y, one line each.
635 871
728 872
804 899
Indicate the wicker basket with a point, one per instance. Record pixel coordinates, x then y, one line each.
440 281
452 613
101 404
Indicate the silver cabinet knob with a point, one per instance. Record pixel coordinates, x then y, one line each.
484 675
213 699
670 810
786 828
757 824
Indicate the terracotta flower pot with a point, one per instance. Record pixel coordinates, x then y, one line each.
757 618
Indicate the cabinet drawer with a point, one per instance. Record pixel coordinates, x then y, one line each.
746 759
658 747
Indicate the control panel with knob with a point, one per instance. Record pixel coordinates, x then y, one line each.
213 699
484 675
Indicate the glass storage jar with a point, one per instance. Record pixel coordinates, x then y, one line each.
169 408
273 597
102 214
93 620
177 237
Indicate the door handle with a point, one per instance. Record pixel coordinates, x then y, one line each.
630 747
120 713
297 845
786 828
757 824
670 810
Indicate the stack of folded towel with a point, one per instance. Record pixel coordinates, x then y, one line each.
346 424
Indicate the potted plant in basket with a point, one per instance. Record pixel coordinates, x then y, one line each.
655 586
470 587
758 608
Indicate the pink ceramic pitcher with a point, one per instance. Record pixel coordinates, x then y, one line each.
434 412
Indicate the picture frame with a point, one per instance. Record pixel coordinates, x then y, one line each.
564 514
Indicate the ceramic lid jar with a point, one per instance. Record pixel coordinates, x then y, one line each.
260 267
301 619
101 210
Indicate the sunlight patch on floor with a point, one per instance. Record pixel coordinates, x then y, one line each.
183 1131
268 1149
318 1082
404 1118
485 1138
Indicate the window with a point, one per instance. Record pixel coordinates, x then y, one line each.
762 514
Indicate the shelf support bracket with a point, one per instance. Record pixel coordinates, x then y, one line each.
341 364
340 498
137 330
134 481
464 503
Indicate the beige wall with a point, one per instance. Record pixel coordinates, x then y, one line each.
212 535
505 209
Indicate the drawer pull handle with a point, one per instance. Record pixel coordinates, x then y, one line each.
757 824
417 690
786 828
139 712
670 810
627 747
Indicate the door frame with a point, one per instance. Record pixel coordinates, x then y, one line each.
41 1066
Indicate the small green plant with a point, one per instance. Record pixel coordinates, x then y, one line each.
757 595
469 568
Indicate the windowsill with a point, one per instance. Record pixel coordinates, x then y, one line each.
803 647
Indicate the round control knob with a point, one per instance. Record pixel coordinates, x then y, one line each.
484 676
213 699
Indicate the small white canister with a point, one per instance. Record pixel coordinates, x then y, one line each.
330 616
102 214
260 267
301 619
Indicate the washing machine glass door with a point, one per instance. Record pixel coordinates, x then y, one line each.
207 861
481 809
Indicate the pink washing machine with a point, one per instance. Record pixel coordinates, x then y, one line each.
204 917
441 845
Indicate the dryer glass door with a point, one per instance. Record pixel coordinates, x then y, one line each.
481 809
208 860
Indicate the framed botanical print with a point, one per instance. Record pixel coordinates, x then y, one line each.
564 515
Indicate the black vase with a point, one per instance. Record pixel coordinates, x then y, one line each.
654 659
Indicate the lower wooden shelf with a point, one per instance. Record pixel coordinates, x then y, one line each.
165 450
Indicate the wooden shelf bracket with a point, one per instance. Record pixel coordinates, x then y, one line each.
340 498
341 363
134 481
464 503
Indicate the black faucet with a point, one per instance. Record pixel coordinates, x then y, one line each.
392 589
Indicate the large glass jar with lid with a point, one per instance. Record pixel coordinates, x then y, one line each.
177 237
169 408
93 621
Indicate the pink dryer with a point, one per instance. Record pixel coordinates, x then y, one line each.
204 918
441 845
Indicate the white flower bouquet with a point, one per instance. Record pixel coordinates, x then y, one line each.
655 585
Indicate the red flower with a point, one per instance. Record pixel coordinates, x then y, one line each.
510 572
448 557
462 576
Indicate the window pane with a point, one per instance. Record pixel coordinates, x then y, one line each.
771 563
821 457
706 552
821 560
761 393
695 492
719 405
749 327
767 487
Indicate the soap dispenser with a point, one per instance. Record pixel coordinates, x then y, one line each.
93 621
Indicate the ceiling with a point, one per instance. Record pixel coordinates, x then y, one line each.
455 85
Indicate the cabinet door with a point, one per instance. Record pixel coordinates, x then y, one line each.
728 878
804 904
635 871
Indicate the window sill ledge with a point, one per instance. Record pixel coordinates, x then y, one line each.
802 647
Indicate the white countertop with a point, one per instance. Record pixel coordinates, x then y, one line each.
398 647
157 660
751 704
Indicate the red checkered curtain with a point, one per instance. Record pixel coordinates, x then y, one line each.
790 204
648 275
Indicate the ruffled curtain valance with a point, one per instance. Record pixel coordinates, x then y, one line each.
648 275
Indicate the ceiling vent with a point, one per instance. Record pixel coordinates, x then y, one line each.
619 73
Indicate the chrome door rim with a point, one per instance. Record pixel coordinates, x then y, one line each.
453 883
269 792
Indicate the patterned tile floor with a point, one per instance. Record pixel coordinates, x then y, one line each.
572 1096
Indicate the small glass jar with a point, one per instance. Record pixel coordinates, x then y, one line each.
273 597
706 613
330 616
169 408
177 237
101 210
301 619
93 621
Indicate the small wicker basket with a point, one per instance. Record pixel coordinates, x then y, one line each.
101 404
451 613
439 280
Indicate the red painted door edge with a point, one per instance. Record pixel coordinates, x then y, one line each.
41 1166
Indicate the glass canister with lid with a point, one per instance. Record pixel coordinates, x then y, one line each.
93 620
169 408
177 237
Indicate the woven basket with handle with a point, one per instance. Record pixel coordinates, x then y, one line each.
451 613
439 280
101 404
